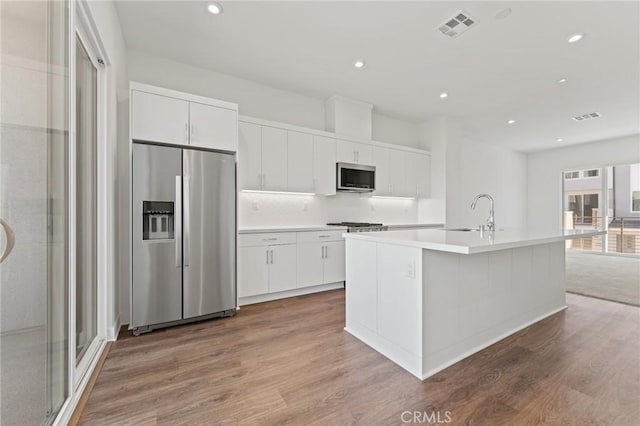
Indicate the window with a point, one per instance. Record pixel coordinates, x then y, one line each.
591 173
571 175
635 201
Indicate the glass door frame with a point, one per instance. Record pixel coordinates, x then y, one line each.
82 30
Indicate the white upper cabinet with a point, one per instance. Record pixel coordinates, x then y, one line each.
157 118
354 152
383 173
274 159
250 156
324 165
424 175
213 127
400 186
392 176
292 159
167 116
300 162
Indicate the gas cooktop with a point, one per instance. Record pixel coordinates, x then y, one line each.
360 226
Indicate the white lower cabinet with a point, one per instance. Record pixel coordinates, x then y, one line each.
282 269
253 271
334 268
278 262
310 264
320 263
266 269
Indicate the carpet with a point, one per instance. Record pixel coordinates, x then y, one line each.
609 277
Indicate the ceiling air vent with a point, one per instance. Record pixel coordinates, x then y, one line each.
457 24
586 117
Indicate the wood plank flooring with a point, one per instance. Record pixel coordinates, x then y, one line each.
291 362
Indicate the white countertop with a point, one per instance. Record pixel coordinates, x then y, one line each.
303 228
416 226
469 242
292 228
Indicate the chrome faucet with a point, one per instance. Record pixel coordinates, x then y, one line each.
490 221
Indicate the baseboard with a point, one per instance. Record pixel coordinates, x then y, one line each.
289 293
114 329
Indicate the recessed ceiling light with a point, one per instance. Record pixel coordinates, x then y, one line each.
214 8
359 64
511 121
503 13
575 37
562 80
559 140
444 95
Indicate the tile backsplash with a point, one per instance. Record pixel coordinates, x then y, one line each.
265 209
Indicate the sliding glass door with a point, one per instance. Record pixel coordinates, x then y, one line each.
86 211
34 200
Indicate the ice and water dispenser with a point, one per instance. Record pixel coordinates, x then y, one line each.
157 220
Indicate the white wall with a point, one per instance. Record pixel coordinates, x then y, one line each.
433 136
393 130
544 168
254 99
108 27
493 170
461 168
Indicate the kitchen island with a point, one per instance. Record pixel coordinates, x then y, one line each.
428 298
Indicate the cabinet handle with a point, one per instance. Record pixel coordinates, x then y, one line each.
272 257
326 252
357 156
322 252
324 236
270 239
186 133
267 253
193 132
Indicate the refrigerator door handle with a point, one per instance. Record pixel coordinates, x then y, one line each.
178 224
186 231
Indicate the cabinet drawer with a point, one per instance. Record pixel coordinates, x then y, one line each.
266 239
316 236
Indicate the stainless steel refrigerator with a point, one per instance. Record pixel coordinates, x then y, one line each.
184 236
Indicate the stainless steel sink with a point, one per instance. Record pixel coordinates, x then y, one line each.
467 229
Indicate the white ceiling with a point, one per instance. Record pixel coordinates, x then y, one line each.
498 70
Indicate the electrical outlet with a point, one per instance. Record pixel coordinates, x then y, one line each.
411 270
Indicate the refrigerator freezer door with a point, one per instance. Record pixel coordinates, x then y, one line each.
157 263
209 232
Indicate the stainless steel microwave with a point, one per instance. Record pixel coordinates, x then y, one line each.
355 177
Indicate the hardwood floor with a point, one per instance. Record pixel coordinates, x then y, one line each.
290 362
